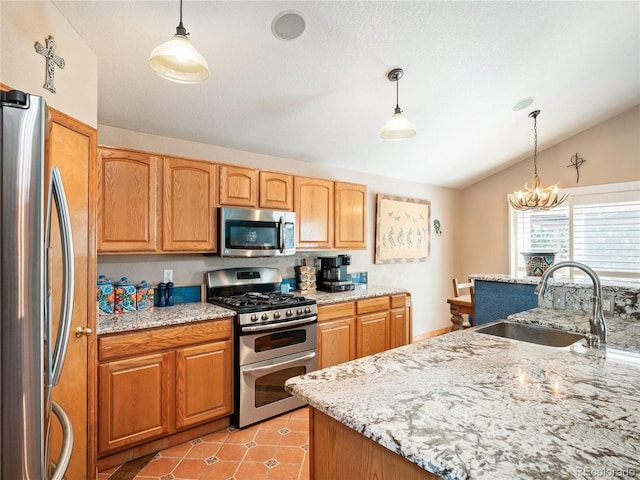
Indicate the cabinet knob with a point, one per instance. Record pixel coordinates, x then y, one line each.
81 330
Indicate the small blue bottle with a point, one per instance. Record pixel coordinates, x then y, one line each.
162 294
169 294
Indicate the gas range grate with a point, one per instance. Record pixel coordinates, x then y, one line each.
261 300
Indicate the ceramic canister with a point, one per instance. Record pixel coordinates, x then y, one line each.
105 294
144 296
125 296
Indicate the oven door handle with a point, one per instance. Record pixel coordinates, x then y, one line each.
274 326
267 368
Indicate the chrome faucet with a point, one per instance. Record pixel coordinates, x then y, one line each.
598 333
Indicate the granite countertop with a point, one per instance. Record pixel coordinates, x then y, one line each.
361 291
558 281
467 405
160 317
197 311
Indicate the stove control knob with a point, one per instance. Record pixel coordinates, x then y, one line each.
254 318
299 311
276 315
265 316
307 310
289 313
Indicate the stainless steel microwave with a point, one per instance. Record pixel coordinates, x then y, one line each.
246 232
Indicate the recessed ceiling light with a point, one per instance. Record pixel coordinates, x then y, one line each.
288 25
522 104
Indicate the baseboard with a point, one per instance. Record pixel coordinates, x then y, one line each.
433 333
115 459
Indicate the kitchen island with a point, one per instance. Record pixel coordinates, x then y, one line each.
470 405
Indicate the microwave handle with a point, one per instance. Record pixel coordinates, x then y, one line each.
282 232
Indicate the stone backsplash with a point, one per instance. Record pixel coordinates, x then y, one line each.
621 302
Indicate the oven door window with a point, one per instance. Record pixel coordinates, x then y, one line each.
274 341
270 388
250 235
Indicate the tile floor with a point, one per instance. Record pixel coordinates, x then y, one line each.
276 449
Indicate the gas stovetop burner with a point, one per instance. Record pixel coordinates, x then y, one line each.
260 299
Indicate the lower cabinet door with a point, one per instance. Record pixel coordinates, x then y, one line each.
398 328
372 333
336 342
135 400
203 383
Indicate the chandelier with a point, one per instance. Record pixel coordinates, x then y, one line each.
536 197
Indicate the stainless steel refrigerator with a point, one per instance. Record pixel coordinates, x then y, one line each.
32 352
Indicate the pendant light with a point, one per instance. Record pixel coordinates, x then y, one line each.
536 197
398 127
177 60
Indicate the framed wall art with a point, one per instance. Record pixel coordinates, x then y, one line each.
402 229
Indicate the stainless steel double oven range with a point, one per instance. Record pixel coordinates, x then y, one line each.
275 339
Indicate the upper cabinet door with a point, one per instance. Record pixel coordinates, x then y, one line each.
350 215
238 186
313 204
276 191
127 201
189 210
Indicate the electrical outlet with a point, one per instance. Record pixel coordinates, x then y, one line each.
168 276
559 300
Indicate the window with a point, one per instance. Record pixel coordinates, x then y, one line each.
598 226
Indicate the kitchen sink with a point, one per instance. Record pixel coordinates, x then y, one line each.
532 334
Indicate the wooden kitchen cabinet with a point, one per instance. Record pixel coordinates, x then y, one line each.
238 186
399 321
313 200
276 191
350 330
156 382
203 383
189 205
135 400
141 194
336 334
350 215
372 324
127 200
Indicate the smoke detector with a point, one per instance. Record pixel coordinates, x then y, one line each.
288 25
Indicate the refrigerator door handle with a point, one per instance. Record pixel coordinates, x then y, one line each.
57 195
67 442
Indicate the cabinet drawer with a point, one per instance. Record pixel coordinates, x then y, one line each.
398 301
376 304
336 310
162 338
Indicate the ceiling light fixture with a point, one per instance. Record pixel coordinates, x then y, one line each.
536 197
177 60
398 127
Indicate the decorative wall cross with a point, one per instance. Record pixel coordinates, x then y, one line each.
52 61
577 162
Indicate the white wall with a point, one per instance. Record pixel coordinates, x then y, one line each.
612 153
22 68
429 282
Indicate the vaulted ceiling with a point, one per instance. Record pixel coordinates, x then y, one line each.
323 97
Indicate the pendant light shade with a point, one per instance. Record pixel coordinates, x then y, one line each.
536 197
398 127
177 60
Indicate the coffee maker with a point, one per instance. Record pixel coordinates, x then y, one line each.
332 274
